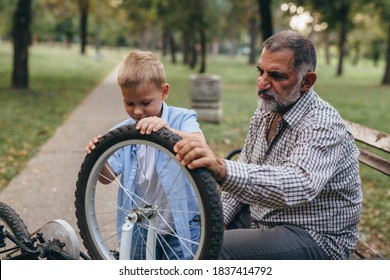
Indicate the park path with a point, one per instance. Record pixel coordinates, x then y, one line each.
44 190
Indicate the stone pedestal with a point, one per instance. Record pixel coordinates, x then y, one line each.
205 91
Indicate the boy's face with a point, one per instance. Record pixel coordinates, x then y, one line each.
145 101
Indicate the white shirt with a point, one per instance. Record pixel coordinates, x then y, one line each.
149 189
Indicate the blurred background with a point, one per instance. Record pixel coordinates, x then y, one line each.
357 29
54 52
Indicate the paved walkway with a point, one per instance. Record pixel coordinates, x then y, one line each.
45 189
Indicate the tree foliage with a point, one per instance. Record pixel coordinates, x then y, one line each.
196 28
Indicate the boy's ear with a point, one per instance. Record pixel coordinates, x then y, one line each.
308 81
165 92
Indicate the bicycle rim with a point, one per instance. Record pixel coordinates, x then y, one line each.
193 232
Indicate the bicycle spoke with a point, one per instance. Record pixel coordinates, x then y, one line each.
118 196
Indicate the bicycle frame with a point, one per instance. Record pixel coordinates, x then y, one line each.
38 249
127 232
18 244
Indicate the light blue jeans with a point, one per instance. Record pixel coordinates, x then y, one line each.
168 246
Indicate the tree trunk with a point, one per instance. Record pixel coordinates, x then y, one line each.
202 51
386 77
194 55
98 55
22 38
253 40
172 45
266 18
165 41
186 48
84 6
327 49
344 10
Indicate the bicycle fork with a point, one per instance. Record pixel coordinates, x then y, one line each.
139 215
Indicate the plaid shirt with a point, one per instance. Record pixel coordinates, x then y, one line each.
307 176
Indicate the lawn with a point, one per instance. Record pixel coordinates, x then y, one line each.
61 78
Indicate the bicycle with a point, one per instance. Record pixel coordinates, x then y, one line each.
134 226
56 240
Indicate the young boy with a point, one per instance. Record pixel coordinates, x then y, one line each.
144 90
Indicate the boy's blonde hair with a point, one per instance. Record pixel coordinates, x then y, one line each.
141 68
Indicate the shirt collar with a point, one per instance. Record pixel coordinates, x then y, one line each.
164 114
296 113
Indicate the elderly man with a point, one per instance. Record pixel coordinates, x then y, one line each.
298 169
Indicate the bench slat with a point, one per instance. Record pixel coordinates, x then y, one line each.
363 251
372 137
374 161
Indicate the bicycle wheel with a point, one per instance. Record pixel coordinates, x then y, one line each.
176 216
11 222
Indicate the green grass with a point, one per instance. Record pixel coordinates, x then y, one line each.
61 78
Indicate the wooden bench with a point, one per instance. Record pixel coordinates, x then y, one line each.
378 141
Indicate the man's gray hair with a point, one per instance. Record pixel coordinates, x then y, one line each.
303 48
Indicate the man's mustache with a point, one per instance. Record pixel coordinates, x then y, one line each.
268 93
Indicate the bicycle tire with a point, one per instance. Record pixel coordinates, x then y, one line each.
96 239
16 226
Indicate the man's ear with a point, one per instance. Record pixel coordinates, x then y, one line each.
308 81
165 92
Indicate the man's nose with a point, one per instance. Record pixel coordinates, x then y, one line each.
263 83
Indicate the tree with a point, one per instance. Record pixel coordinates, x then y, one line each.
21 35
4 18
266 18
386 76
83 7
238 17
377 32
384 11
336 13
201 29
195 26
167 10
343 17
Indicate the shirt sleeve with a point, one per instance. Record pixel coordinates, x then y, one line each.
116 162
231 207
297 178
189 122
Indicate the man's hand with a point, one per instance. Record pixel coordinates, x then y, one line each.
92 145
192 151
151 124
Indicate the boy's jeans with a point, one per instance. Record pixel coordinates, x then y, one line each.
168 246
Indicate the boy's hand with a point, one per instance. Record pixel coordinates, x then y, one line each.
92 145
151 124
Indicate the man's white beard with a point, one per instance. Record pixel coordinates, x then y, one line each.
274 105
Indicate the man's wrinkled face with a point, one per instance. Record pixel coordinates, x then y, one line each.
278 84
